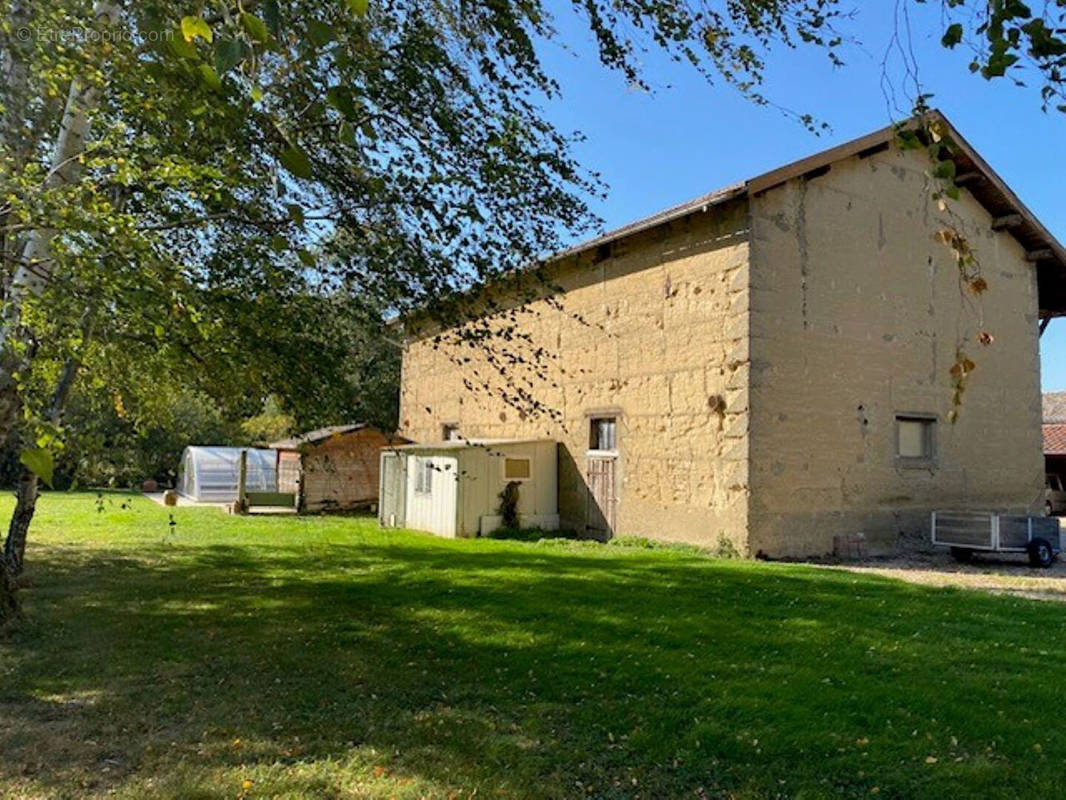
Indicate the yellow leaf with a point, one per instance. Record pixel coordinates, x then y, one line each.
191 27
931 759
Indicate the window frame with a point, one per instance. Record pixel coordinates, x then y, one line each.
929 439
423 476
503 468
593 427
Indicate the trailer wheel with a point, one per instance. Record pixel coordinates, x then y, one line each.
1040 553
964 555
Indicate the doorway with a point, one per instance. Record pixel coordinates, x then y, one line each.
601 477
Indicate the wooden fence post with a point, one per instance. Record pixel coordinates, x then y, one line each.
242 480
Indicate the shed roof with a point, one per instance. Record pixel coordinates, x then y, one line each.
315 436
1055 439
462 444
1055 407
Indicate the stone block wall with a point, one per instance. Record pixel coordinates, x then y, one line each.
656 333
856 316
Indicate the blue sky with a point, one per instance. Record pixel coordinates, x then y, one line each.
688 137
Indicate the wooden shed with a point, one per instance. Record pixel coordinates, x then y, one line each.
333 469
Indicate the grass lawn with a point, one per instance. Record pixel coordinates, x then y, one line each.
320 658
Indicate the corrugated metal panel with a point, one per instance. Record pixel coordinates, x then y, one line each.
432 493
393 490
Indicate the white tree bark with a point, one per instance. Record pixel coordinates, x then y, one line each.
35 267
15 76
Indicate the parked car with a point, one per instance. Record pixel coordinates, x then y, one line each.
1056 495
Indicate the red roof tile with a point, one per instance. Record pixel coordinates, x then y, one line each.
1055 440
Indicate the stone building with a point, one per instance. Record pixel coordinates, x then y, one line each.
770 366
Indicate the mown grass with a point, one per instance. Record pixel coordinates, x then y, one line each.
282 657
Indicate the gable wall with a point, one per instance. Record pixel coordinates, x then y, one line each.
856 315
342 472
657 333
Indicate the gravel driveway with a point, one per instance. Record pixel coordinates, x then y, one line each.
1001 574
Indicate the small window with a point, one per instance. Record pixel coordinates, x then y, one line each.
915 439
1054 483
423 476
603 433
450 432
517 469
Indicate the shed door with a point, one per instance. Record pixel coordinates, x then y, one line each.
601 476
393 491
432 494
288 472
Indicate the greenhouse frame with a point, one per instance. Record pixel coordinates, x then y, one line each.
211 474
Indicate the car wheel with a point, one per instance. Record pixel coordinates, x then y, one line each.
1040 553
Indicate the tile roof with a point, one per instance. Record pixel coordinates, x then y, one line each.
1055 440
1055 407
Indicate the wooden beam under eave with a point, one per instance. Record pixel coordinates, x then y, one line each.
1007 221
1043 324
964 178
1039 255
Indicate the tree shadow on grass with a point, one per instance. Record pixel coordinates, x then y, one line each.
410 669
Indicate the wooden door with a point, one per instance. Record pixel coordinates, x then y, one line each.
601 477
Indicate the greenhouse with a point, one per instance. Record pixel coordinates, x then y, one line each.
211 474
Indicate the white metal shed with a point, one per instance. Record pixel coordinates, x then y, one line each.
453 488
211 474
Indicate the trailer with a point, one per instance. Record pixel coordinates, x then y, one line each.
970 532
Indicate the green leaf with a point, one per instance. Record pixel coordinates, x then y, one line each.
272 17
210 77
228 54
346 134
257 94
945 170
321 34
182 48
306 258
952 36
256 27
278 243
296 214
191 27
39 461
340 97
359 7
295 160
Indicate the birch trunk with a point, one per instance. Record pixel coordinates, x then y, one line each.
13 555
35 268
